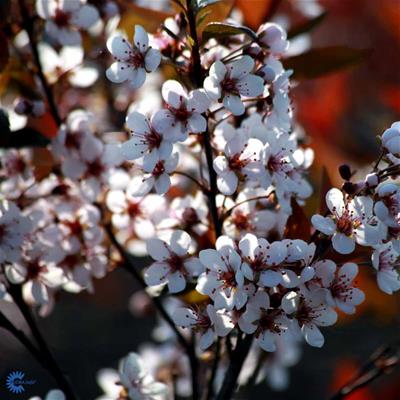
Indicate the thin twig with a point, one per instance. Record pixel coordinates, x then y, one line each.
29 27
49 360
214 369
229 210
238 358
382 361
203 189
128 266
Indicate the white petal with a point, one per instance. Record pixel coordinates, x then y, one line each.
176 282
323 224
86 16
251 85
152 60
162 184
180 242
157 249
137 123
227 183
241 67
313 335
234 104
173 93
119 47
141 38
156 274
343 244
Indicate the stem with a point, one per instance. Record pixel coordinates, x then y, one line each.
189 348
28 25
21 337
229 210
198 80
214 369
382 361
202 188
238 358
49 360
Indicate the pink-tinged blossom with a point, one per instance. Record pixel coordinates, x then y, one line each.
155 176
174 265
79 125
137 382
386 261
262 260
273 37
223 280
308 313
38 272
338 285
14 229
210 323
147 141
391 139
132 61
182 114
266 323
348 222
240 162
65 18
387 208
228 83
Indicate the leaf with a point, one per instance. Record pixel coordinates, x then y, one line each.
307 26
43 162
133 15
256 12
298 225
218 30
323 61
214 12
25 137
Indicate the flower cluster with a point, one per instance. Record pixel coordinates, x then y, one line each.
206 179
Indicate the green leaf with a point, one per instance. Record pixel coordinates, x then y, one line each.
219 30
306 26
217 11
323 61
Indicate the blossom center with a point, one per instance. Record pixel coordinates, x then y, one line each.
241 220
175 262
228 85
236 163
15 165
95 168
34 269
190 216
137 59
61 18
159 169
153 139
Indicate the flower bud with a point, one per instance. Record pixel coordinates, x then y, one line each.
35 108
345 172
372 180
391 139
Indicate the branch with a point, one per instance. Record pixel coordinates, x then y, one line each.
49 361
382 361
128 265
238 358
28 25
